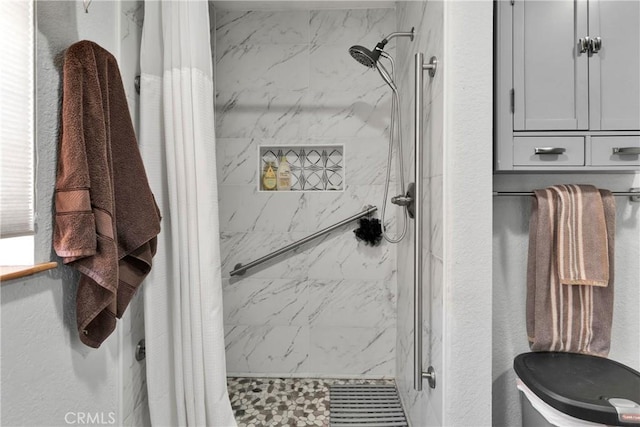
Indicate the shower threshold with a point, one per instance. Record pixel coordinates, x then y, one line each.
302 402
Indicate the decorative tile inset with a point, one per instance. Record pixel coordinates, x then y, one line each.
312 168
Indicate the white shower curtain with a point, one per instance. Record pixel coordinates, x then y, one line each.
186 374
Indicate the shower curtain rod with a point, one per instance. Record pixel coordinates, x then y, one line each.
240 269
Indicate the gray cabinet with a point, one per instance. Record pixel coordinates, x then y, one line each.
567 76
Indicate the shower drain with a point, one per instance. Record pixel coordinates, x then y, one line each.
365 405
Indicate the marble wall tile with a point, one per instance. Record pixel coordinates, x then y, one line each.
245 208
348 114
330 207
248 246
266 349
263 67
134 410
435 302
366 161
258 114
340 256
333 69
134 384
140 417
334 302
436 136
266 302
436 210
347 351
335 256
234 28
351 26
131 17
237 161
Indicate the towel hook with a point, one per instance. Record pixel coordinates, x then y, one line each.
86 4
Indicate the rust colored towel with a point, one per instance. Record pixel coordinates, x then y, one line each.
563 317
106 219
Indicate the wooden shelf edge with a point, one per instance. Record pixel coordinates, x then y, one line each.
19 271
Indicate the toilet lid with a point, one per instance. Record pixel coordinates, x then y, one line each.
580 385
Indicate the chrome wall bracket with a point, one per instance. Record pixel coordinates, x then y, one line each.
410 34
141 350
432 66
411 193
430 375
408 200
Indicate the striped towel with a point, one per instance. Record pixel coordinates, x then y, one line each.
581 247
570 270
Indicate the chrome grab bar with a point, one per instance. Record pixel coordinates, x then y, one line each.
240 269
418 374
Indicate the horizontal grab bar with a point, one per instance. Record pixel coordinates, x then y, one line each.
240 269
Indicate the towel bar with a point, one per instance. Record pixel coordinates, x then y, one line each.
633 193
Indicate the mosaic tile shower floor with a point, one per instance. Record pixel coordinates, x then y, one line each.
298 402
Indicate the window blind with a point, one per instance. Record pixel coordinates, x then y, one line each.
16 117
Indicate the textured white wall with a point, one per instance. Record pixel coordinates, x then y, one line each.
510 246
468 74
47 373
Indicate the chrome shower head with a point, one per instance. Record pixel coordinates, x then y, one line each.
370 58
364 56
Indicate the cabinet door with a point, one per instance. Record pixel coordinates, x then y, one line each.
550 74
614 71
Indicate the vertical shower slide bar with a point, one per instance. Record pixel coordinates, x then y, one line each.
418 374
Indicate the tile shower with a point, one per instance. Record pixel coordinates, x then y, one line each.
284 78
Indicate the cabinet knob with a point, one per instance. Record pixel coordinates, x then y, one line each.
549 150
626 150
584 44
595 44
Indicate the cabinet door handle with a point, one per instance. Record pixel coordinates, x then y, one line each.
595 44
626 150
549 150
584 44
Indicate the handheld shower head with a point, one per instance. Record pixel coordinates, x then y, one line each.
386 76
364 56
369 58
